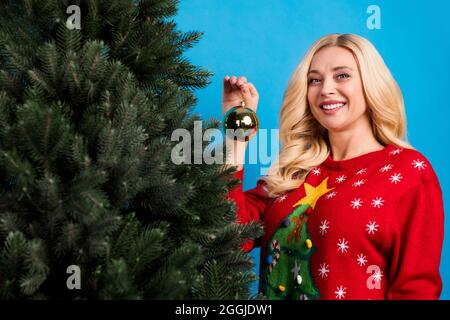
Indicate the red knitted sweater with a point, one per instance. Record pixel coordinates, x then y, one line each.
378 232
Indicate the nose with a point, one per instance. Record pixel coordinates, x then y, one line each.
328 87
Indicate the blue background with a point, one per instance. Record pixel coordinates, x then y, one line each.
265 39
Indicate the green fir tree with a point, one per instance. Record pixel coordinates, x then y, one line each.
86 176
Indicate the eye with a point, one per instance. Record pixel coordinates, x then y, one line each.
343 76
311 81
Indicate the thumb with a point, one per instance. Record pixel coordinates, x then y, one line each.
253 90
246 95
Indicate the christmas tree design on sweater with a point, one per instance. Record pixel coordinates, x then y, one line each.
287 274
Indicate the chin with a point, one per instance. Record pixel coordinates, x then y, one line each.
334 126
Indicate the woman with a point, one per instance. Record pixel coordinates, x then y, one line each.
350 209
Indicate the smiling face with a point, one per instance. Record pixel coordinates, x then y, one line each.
335 91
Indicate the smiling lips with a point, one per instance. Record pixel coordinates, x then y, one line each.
331 105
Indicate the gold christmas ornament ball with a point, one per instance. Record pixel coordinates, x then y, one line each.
240 123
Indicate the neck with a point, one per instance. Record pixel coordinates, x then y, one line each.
353 142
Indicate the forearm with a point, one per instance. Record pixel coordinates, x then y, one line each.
235 153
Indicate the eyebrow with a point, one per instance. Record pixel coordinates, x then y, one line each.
334 69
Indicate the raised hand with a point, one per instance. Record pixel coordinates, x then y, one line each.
237 89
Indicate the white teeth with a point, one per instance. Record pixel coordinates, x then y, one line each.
332 106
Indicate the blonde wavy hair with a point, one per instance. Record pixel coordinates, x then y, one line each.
304 142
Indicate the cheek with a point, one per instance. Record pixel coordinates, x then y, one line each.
311 96
355 94
312 100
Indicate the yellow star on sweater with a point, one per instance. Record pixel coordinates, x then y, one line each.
313 193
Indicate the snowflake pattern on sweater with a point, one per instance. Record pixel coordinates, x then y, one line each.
378 234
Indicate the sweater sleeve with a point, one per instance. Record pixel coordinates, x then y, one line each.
418 232
250 204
